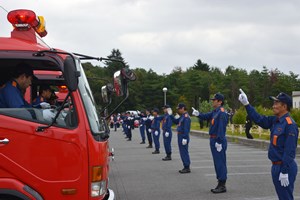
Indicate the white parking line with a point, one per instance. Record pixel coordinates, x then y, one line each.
268 198
232 166
248 173
228 161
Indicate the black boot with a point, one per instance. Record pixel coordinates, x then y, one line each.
149 146
168 157
249 136
156 152
185 170
143 142
221 188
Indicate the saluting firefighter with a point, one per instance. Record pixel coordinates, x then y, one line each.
283 142
183 131
155 130
167 131
218 143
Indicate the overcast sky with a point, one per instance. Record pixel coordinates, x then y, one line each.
163 34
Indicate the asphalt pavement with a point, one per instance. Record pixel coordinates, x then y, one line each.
136 174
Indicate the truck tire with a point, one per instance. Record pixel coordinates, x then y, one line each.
9 197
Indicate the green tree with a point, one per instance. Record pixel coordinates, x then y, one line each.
113 66
201 66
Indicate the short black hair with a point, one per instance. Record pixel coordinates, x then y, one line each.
22 68
43 88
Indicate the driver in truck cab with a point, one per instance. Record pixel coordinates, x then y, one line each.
12 92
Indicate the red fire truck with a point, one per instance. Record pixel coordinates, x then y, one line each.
56 153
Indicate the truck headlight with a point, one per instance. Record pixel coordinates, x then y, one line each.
98 188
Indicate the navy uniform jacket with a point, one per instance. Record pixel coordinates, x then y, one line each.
283 139
155 125
148 122
218 122
37 101
141 120
11 96
183 125
166 123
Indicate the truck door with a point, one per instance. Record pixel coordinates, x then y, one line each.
51 162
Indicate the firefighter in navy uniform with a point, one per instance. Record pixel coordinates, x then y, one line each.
183 137
12 93
142 119
155 130
167 132
218 143
45 93
148 122
130 126
127 126
283 142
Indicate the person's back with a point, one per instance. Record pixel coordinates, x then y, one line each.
11 96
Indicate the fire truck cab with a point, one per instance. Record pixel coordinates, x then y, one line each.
61 152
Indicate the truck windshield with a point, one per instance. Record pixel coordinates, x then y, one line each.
89 102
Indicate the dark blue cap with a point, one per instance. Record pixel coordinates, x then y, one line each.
284 98
181 105
166 106
218 96
155 110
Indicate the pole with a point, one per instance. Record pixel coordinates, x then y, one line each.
165 95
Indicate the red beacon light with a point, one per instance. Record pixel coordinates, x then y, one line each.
24 20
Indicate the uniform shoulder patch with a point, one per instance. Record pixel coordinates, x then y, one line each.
222 110
14 83
289 120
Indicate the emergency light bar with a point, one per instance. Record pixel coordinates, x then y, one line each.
24 20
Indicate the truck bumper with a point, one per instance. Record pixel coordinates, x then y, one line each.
110 195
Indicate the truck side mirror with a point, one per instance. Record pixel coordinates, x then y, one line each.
71 74
119 83
121 79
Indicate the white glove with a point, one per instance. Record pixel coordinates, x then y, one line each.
177 116
184 141
128 126
141 124
284 179
218 147
149 130
169 110
151 118
45 105
144 118
195 112
167 134
156 133
243 98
